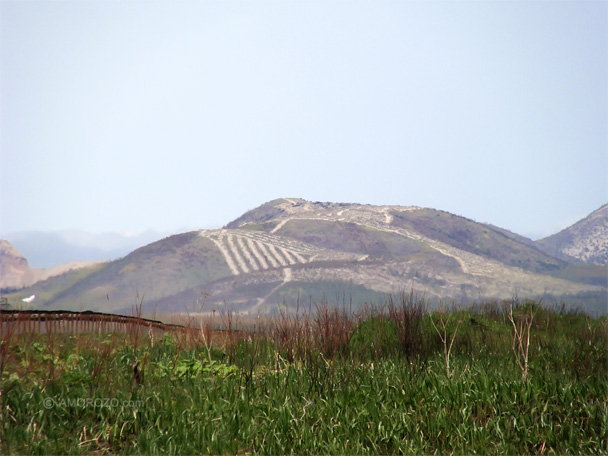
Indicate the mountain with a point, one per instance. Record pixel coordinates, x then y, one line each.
15 272
586 241
290 251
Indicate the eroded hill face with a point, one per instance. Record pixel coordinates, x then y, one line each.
14 269
291 251
585 241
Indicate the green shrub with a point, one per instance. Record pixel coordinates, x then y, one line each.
374 338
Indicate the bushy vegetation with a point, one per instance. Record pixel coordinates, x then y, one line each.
391 379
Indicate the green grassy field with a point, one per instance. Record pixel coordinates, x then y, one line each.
381 382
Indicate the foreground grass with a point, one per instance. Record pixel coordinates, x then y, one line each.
271 395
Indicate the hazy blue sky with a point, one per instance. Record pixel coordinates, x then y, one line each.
127 116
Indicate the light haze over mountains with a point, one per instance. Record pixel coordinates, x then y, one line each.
48 249
290 248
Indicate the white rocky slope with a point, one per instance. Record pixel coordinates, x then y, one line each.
586 240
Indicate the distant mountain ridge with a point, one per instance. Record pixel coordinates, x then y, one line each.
49 249
585 241
15 272
291 249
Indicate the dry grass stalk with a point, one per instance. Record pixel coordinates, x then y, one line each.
521 338
447 342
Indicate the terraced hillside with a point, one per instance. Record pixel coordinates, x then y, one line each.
292 250
247 251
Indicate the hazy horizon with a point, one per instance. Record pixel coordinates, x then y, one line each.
127 234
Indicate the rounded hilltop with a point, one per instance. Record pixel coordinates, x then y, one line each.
284 208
